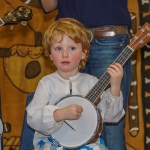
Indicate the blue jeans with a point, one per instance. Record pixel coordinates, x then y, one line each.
103 52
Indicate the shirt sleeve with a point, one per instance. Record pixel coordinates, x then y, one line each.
111 107
40 112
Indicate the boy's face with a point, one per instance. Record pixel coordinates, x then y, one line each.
66 55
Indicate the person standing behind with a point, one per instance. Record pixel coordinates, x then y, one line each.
109 21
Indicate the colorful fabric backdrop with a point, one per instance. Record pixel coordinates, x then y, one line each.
23 63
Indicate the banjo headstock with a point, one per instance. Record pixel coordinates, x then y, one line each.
21 13
141 37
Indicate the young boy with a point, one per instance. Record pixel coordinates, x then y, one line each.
68 43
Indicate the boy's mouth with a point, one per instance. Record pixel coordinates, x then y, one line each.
65 62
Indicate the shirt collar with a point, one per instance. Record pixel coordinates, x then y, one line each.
73 78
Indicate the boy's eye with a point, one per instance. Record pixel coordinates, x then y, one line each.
58 48
72 48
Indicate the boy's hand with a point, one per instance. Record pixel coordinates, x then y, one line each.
116 74
71 112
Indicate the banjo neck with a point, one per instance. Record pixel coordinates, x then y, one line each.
141 37
103 81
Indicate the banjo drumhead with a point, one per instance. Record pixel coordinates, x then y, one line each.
85 127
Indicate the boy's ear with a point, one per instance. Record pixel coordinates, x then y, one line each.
84 54
50 57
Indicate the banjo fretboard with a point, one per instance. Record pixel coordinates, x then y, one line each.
103 81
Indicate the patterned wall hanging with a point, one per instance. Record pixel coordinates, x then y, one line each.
144 13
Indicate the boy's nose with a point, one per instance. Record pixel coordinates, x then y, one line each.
65 53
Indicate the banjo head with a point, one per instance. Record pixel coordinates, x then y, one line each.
85 128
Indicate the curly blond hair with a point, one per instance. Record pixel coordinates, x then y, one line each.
74 30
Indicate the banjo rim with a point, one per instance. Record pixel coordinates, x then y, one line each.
97 130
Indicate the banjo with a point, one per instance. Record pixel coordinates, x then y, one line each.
76 133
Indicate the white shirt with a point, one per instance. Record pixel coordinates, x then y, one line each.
52 88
